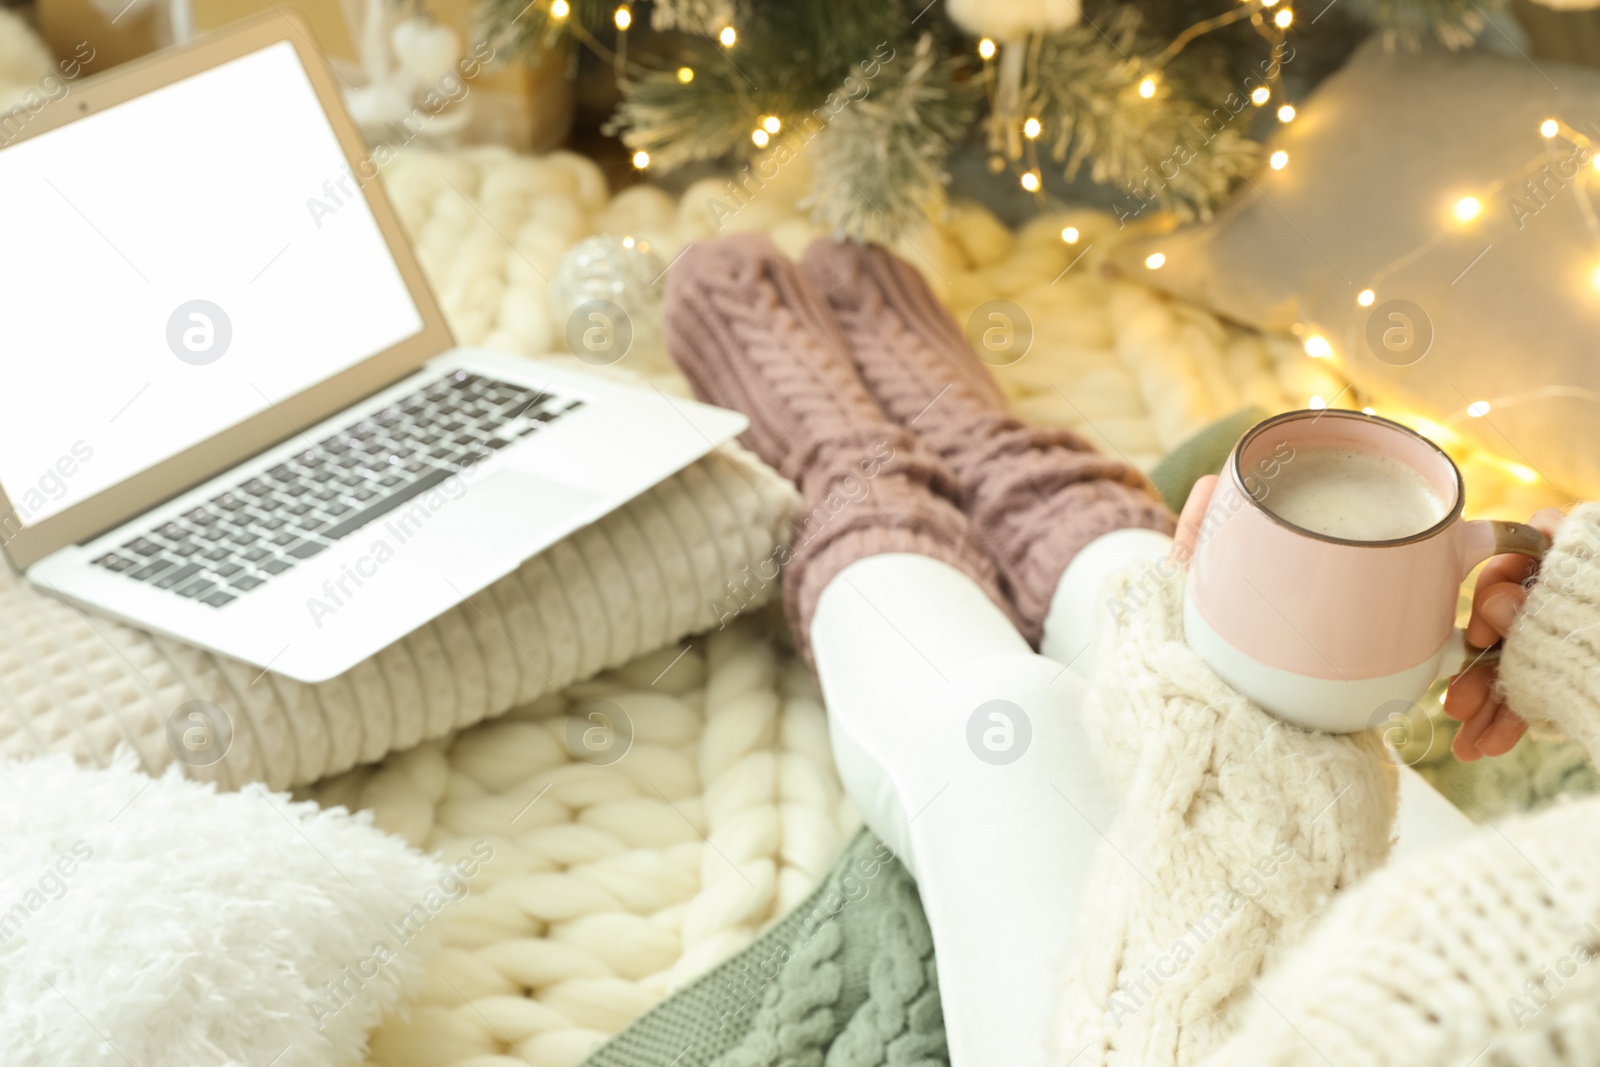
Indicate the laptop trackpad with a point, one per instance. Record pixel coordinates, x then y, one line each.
489 526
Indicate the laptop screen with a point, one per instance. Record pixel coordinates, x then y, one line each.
173 265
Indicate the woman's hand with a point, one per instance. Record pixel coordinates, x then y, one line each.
1488 727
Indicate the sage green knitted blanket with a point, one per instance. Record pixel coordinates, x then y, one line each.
846 979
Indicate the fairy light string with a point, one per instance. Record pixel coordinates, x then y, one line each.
1463 211
1009 74
1014 147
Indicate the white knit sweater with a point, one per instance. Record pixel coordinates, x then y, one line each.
1237 828
1482 952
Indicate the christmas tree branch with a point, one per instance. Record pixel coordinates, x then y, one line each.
880 163
1167 148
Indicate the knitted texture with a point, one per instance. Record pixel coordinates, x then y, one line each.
1238 829
1481 953
1034 496
1550 667
845 979
640 578
751 334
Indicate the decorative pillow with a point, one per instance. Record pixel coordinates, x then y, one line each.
1491 299
660 567
157 921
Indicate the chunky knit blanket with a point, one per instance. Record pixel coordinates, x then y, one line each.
707 810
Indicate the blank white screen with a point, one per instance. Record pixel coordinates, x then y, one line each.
200 190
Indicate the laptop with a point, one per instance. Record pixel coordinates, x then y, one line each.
232 412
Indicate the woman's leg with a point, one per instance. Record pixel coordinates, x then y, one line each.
964 751
1035 496
751 334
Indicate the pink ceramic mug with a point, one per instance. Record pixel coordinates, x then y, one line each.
1325 631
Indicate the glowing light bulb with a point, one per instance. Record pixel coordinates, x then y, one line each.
1030 182
1317 347
1278 160
728 36
628 242
1155 260
1595 278
1468 208
1549 128
986 48
772 124
1031 128
1365 297
1286 113
1478 408
560 9
759 136
1526 475
1070 235
1260 95
1316 403
685 75
1268 3
1147 88
641 159
623 17
1368 411
1283 18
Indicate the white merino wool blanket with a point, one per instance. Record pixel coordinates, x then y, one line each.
1236 830
156 921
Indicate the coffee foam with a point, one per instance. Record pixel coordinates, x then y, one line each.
1352 494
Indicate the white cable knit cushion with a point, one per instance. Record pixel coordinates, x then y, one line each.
617 880
640 578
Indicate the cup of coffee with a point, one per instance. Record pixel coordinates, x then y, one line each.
1326 571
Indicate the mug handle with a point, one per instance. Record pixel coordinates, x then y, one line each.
1485 538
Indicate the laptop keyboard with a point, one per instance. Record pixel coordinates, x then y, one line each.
241 539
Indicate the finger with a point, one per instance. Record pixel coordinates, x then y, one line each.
1508 567
1494 610
1468 693
1194 510
1506 730
1545 520
1465 746
1513 566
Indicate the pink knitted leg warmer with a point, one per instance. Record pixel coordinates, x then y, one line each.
751 334
1035 496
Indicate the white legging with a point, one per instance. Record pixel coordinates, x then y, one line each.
912 657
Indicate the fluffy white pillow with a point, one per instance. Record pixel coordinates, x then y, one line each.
157 921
